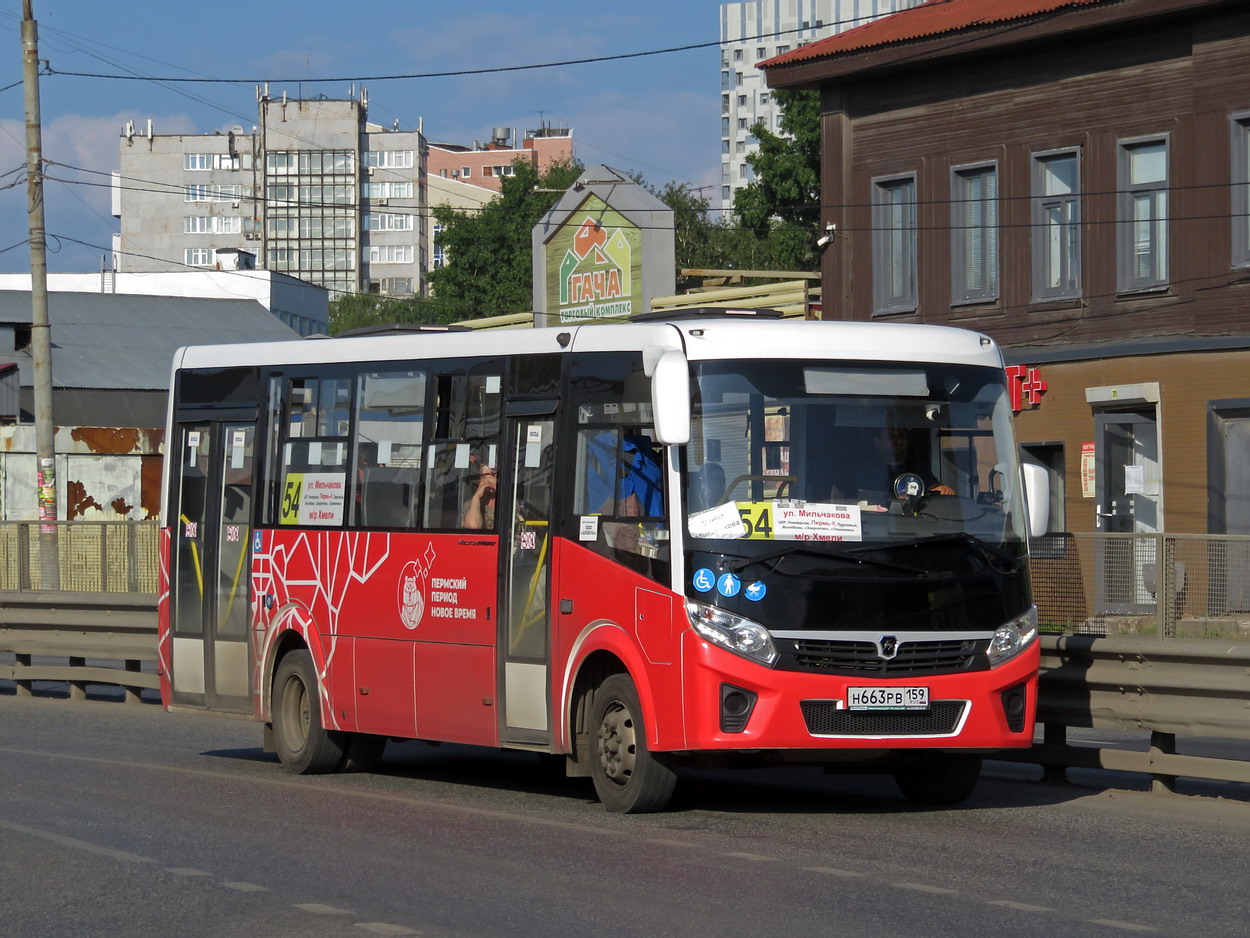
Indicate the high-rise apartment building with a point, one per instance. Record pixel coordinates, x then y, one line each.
755 30
314 191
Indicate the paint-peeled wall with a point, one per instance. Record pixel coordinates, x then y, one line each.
102 473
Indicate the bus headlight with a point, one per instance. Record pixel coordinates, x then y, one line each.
733 633
1013 637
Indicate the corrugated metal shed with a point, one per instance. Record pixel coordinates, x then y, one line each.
127 342
928 19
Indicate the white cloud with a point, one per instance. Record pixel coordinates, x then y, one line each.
80 153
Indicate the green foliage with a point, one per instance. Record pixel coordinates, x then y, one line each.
360 311
489 270
782 204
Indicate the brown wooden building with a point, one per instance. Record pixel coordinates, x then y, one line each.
1071 177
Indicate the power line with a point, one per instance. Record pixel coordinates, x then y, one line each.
453 73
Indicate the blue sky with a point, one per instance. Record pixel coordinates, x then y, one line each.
656 114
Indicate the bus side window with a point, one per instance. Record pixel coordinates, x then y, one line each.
390 436
312 466
465 437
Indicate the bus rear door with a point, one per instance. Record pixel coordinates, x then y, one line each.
526 529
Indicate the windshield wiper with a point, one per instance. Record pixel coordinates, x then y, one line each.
987 551
780 554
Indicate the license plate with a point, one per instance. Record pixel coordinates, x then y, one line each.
887 698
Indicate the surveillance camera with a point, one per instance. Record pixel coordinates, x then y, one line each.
823 240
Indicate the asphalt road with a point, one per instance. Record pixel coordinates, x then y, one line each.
125 820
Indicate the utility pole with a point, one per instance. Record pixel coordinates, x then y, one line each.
40 331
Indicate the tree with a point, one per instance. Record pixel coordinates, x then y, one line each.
489 268
360 311
782 203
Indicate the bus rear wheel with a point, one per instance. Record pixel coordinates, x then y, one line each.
628 778
937 777
304 746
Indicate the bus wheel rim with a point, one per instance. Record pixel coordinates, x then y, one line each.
617 743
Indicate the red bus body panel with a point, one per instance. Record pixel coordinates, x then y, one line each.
401 627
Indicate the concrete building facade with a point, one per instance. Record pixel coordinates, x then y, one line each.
753 31
314 191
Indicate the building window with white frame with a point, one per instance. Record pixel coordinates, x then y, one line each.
197 257
212 193
1241 189
390 254
1142 229
389 159
894 261
1056 245
388 221
974 233
387 190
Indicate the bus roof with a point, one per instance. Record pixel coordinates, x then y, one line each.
698 339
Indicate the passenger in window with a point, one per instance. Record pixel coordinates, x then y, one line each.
479 510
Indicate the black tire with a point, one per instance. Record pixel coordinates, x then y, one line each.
363 752
628 778
304 746
935 778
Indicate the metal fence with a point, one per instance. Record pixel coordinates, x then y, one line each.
1161 585
98 557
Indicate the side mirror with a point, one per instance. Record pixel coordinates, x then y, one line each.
1036 498
670 397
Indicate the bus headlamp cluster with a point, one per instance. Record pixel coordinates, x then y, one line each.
733 633
1013 637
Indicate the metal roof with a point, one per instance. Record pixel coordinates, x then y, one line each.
929 19
125 341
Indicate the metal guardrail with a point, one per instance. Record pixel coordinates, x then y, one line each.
1169 655
1171 688
117 628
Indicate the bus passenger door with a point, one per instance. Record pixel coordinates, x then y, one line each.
525 531
210 580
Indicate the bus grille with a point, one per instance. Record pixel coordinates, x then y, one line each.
825 719
832 656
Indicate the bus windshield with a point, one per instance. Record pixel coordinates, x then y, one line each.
849 456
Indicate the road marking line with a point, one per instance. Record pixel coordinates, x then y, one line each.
1127 926
186 871
75 843
848 874
1019 906
921 887
751 856
316 908
382 928
246 887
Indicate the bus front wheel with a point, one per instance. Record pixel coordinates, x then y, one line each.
304 746
937 777
628 778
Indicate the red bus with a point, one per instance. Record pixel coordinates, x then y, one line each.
702 540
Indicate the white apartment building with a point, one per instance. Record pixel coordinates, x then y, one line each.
314 191
755 30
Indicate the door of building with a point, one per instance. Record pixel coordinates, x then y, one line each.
1128 502
1228 473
